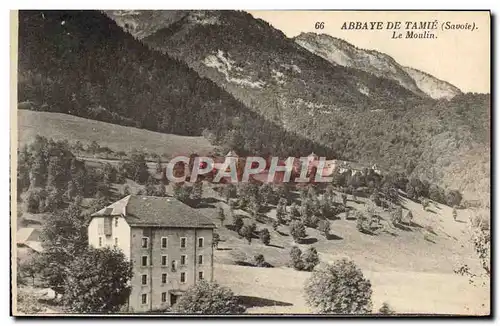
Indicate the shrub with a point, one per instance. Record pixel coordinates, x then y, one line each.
339 288
298 230
210 299
310 258
324 227
260 261
385 309
237 223
296 258
396 215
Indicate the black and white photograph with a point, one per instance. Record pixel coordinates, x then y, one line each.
208 163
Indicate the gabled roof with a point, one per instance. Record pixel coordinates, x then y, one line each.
156 212
231 154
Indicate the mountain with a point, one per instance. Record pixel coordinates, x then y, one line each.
432 86
141 23
360 116
84 64
342 53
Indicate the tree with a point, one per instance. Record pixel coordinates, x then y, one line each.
409 217
339 288
29 268
237 223
362 223
453 198
259 260
209 299
247 232
267 194
216 240
28 303
64 237
97 281
396 215
150 187
298 230
310 258
276 224
281 212
324 227
296 258
221 216
294 212
196 193
182 192
265 236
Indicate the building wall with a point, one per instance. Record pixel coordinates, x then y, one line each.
154 270
119 229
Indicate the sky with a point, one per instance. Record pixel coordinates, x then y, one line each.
460 57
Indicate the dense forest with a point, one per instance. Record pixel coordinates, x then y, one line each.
82 63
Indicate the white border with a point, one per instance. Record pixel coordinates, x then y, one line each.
213 4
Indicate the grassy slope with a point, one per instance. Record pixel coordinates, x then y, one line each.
411 269
61 126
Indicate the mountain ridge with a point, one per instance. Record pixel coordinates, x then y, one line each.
340 52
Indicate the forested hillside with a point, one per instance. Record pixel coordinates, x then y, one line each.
82 63
361 116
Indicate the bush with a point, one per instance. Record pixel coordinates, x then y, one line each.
265 236
237 223
210 299
385 309
310 259
324 227
339 288
396 215
296 258
298 230
35 200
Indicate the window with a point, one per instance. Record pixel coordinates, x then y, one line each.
200 259
200 275
144 279
144 298
164 260
100 241
116 241
183 259
116 222
164 297
164 241
164 278
183 277
144 261
200 242
145 241
183 242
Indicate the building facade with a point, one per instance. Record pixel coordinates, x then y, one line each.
168 243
